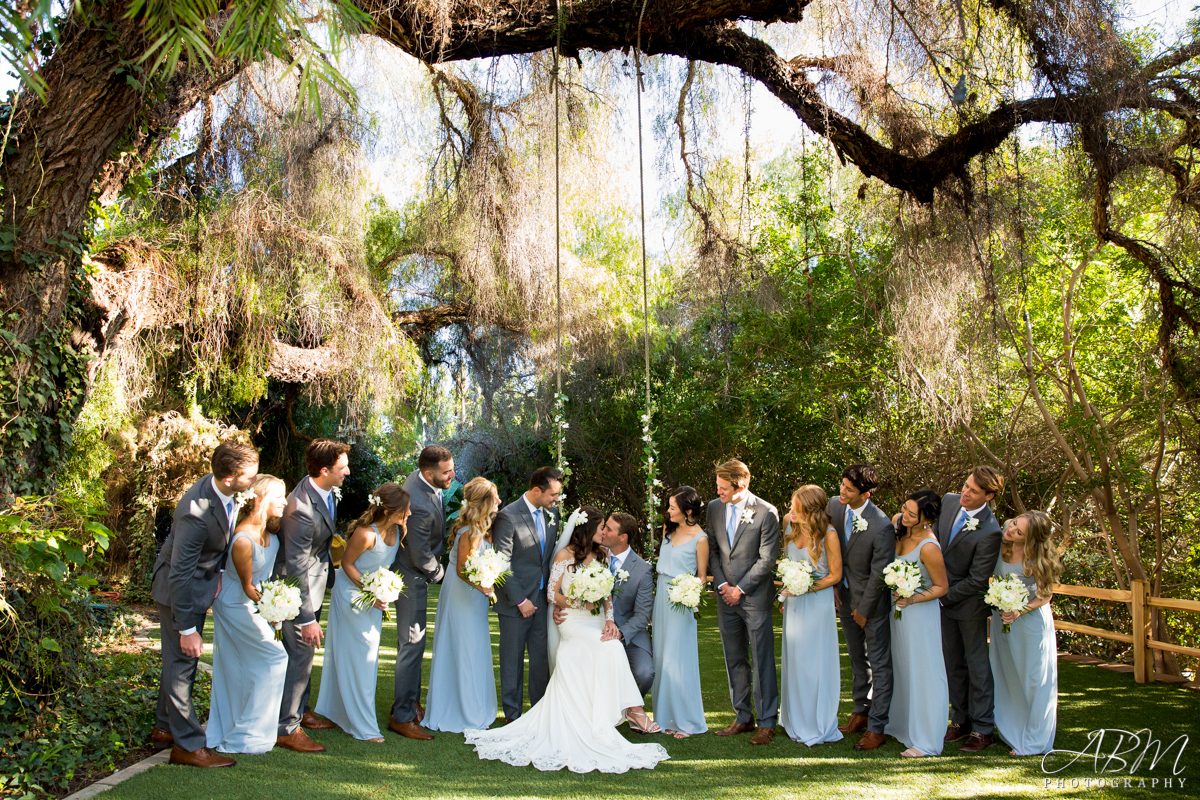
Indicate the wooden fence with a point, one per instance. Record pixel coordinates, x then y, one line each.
1140 601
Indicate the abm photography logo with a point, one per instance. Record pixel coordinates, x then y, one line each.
1114 758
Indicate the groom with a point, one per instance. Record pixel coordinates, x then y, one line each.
525 532
745 529
633 598
868 545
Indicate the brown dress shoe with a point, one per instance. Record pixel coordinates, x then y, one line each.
856 723
977 742
870 740
300 742
763 736
315 723
509 721
735 729
409 730
420 713
199 758
161 739
954 733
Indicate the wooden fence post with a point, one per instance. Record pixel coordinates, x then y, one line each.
1143 667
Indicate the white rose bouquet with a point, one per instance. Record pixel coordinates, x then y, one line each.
685 592
904 578
592 584
279 602
487 568
382 586
1007 594
796 576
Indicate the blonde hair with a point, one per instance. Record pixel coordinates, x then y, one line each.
814 519
735 472
1042 559
262 484
478 509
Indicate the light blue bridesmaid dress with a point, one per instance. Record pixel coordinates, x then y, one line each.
1025 670
249 666
678 704
920 695
348 678
812 670
462 680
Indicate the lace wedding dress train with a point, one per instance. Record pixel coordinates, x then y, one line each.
574 724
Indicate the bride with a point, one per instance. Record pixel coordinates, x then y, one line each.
591 689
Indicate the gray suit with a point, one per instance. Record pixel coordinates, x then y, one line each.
304 532
515 535
418 561
747 627
864 556
633 603
186 575
970 561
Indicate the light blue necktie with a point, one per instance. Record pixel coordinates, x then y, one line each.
849 530
541 529
958 524
332 512
229 514
731 525
612 564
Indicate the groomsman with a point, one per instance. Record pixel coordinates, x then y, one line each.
187 576
305 532
633 599
525 531
868 545
970 538
745 530
419 562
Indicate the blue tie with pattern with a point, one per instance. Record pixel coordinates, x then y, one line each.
958 524
332 512
229 514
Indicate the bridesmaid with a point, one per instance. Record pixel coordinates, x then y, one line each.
249 665
462 680
678 705
920 694
1025 660
347 695
812 674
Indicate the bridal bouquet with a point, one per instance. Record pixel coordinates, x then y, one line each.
685 592
279 602
904 578
487 568
796 576
592 584
381 585
1007 594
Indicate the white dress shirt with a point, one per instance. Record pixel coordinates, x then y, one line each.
734 508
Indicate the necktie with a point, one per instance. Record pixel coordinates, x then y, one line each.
731 524
612 563
958 523
229 515
541 529
332 512
849 524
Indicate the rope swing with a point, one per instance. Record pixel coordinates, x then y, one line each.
560 423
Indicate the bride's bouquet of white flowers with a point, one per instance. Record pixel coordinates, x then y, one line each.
1007 594
685 593
904 578
381 585
488 569
796 576
279 602
592 584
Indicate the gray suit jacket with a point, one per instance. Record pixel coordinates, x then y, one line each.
515 535
633 603
970 560
750 563
189 564
305 532
418 558
864 558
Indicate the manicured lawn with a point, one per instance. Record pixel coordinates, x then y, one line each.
710 767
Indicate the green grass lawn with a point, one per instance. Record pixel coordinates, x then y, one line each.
711 767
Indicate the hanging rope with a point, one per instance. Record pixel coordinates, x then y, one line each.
559 400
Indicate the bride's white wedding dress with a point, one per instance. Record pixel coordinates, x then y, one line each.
574 725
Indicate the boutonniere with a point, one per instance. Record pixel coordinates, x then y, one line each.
747 516
971 524
860 524
241 498
622 575
550 520
337 494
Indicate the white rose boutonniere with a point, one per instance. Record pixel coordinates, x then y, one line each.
747 516
337 494
622 575
971 524
860 524
550 519
241 498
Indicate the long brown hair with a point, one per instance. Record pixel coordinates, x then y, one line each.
478 509
814 519
1042 559
262 484
392 498
583 537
